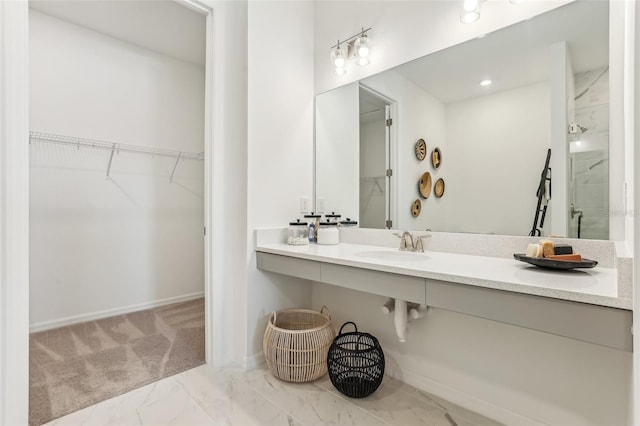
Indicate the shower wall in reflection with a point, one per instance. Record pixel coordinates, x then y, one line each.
589 156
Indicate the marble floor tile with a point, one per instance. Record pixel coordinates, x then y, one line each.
309 403
459 414
227 398
231 396
396 403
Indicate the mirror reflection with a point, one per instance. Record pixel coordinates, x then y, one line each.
492 107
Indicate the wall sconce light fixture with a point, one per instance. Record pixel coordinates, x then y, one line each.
356 47
470 10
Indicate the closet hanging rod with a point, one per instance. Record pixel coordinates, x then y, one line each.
110 146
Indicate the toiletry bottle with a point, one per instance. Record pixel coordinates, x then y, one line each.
314 220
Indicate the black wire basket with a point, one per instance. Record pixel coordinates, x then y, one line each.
356 363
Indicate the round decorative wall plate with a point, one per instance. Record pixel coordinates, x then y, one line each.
436 158
416 207
421 149
438 188
424 185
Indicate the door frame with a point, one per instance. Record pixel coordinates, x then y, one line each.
392 153
14 208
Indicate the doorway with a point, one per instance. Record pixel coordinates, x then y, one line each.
117 200
376 173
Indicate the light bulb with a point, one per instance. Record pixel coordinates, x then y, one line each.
470 11
470 5
339 57
469 17
362 46
485 82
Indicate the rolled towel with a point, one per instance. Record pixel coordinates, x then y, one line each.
534 250
547 248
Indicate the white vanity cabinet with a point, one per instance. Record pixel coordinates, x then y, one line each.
608 326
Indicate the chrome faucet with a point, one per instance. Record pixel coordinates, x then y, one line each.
406 241
410 243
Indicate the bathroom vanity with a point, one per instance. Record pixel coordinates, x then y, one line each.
587 305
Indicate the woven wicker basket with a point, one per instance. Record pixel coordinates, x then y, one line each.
296 343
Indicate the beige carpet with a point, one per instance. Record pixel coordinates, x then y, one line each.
73 367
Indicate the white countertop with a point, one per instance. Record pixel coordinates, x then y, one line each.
596 286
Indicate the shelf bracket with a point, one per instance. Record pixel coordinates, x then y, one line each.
175 166
113 150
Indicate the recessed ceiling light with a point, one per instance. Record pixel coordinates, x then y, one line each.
485 82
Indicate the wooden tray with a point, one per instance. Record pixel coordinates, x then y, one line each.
554 264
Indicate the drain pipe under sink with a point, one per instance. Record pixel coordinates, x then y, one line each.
400 320
402 312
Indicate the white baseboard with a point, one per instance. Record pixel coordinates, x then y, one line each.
464 400
253 361
92 316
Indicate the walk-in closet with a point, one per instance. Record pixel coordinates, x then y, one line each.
117 198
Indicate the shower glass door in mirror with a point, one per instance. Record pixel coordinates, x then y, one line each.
589 159
493 107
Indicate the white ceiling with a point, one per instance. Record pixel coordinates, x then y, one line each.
163 26
517 55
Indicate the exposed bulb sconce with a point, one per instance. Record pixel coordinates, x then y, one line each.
356 47
361 47
339 59
470 11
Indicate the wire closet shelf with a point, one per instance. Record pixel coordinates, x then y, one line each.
109 146
115 148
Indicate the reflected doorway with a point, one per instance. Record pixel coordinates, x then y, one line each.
375 169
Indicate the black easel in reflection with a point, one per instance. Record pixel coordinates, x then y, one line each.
544 195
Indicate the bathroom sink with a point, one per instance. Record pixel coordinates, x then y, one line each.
393 255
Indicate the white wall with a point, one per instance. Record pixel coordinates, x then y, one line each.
480 185
280 148
337 149
419 116
100 244
632 117
14 212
